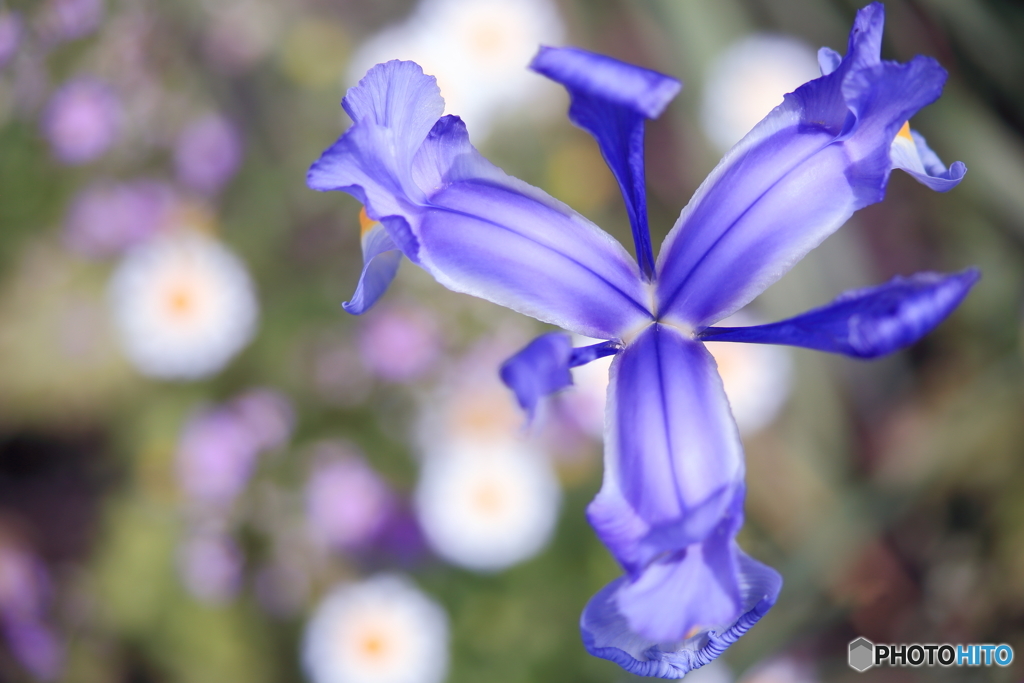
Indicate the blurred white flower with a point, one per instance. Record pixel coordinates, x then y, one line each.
749 79
383 630
487 505
184 306
757 377
478 50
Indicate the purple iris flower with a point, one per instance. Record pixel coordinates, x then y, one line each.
671 502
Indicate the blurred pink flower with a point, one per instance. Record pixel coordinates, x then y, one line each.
63 20
24 593
106 217
268 415
400 343
347 503
216 457
10 36
82 120
211 566
207 154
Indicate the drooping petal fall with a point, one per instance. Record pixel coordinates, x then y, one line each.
793 180
865 323
381 258
698 583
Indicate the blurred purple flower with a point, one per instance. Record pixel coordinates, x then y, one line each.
216 457
24 592
211 566
268 415
82 120
64 20
106 218
207 154
671 503
10 36
347 503
399 343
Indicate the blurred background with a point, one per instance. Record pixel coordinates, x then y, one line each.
210 473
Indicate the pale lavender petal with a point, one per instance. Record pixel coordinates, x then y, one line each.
381 258
914 156
828 60
611 100
812 162
673 459
865 323
699 592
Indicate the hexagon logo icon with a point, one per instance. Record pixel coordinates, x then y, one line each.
862 654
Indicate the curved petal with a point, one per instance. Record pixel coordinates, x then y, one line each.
912 154
542 367
610 100
381 258
828 60
487 234
673 459
472 227
719 569
393 109
795 178
865 323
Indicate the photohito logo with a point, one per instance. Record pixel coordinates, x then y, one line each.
864 654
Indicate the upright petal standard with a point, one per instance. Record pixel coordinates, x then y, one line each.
671 502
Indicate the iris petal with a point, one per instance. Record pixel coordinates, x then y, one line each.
795 178
914 156
471 226
865 323
610 100
673 459
720 569
542 367
381 259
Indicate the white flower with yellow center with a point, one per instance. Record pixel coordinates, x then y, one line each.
382 630
477 49
184 306
486 506
488 496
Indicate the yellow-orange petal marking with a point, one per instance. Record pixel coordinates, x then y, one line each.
905 131
366 224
